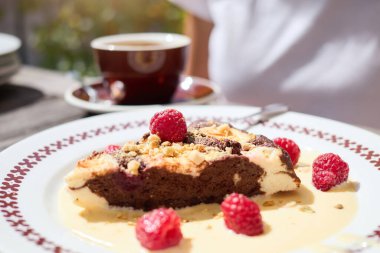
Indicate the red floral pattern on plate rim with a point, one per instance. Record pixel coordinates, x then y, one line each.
10 185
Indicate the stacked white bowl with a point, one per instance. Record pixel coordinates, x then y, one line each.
9 59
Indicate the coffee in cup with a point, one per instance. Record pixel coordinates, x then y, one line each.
141 68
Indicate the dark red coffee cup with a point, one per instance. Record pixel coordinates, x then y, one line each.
141 68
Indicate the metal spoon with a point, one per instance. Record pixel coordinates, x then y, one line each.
264 114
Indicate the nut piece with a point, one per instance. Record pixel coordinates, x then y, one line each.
200 148
222 130
196 157
178 148
169 151
133 167
246 146
166 143
131 154
130 146
339 206
154 141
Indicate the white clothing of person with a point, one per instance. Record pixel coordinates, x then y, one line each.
320 57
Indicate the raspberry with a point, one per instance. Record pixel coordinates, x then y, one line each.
289 146
242 215
324 180
159 229
169 125
329 170
112 148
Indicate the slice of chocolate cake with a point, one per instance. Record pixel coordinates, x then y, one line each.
214 160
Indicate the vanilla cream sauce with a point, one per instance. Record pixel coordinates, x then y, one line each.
291 220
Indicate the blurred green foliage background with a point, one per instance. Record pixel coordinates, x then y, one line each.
64 39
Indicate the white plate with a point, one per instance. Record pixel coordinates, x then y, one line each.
9 59
8 43
32 171
187 85
9 62
9 69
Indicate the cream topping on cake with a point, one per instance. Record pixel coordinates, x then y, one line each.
97 164
276 176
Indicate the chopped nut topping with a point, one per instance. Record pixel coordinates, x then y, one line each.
339 206
222 130
196 157
169 151
200 148
132 153
130 146
154 141
144 150
151 148
153 151
166 143
246 146
179 149
133 167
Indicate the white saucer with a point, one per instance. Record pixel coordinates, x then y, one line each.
191 91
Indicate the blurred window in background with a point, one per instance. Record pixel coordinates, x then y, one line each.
56 34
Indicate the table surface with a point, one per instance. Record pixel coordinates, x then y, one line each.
33 101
